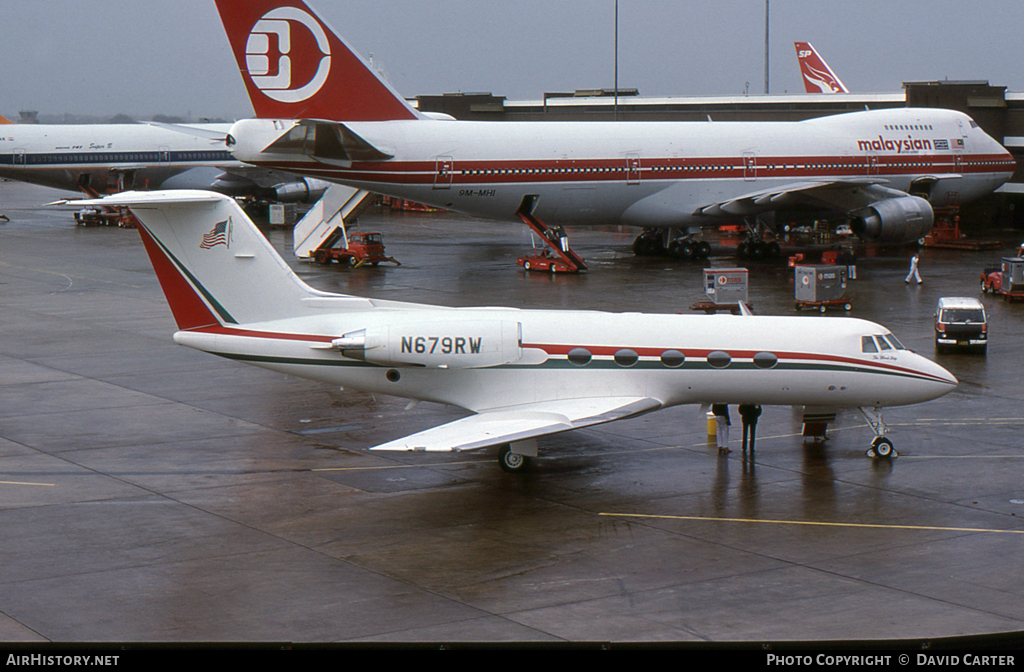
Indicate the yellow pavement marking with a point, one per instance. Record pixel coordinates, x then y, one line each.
809 522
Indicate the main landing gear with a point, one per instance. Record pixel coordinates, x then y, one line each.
880 445
662 242
515 457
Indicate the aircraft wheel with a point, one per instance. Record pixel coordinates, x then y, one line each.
512 463
882 447
703 250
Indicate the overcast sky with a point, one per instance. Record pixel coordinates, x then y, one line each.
143 57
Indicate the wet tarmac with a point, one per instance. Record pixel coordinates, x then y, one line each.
149 492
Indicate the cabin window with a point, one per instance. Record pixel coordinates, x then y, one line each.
765 360
580 356
867 344
673 359
626 357
719 359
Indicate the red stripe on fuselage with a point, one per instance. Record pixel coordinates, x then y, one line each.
702 353
615 170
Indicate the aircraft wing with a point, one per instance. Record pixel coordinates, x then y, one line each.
837 194
526 421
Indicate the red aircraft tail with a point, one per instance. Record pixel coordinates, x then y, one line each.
295 67
817 76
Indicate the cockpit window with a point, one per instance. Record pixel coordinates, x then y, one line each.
867 344
883 344
895 342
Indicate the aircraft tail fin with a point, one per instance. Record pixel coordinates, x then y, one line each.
817 76
214 265
296 67
5 120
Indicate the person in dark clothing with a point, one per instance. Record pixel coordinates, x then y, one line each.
750 413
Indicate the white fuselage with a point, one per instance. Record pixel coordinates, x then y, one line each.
648 174
484 358
96 156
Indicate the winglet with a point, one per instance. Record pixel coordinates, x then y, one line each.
817 76
295 67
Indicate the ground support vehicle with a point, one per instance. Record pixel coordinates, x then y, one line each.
960 321
363 248
1006 280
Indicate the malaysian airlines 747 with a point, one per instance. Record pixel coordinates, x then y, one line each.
324 113
522 374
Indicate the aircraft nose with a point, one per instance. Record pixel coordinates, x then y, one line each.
941 381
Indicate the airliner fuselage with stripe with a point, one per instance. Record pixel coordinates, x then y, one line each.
650 174
321 111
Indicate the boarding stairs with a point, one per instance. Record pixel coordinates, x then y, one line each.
326 220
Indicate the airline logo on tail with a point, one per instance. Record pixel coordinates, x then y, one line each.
818 77
295 67
278 45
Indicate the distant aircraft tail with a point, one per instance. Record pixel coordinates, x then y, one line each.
5 120
214 265
296 67
817 76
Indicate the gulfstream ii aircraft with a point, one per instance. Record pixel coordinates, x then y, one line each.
523 374
324 113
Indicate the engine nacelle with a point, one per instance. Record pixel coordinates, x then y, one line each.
461 344
302 190
893 220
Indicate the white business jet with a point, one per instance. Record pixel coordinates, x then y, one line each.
523 374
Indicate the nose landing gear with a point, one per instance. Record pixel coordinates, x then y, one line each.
880 445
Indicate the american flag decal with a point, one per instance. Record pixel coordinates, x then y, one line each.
218 235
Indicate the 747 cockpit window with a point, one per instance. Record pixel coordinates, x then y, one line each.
867 344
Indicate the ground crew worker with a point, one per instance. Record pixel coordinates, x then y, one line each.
750 413
914 273
721 412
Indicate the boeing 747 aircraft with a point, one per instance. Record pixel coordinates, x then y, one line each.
99 158
324 113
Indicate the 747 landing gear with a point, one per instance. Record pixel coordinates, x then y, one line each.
880 445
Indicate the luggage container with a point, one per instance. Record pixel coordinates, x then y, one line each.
725 289
820 287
